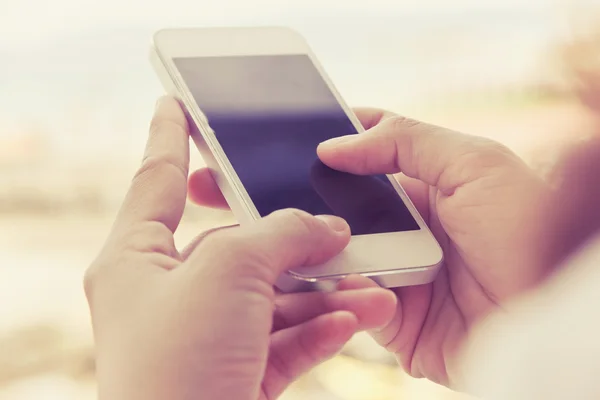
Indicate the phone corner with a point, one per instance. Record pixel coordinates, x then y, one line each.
157 36
437 257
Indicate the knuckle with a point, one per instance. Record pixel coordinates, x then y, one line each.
151 237
372 117
153 230
93 277
131 236
234 251
156 164
399 123
401 143
160 125
486 154
90 278
304 234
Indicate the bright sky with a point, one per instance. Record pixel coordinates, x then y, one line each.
35 20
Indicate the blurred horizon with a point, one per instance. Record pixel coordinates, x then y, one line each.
74 92
488 45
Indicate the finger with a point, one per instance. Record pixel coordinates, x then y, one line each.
370 204
203 190
370 117
158 190
297 350
417 191
284 240
437 156
357 282
402 331
372 307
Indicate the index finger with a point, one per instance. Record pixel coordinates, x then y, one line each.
370 117
369 204
159 188
437 156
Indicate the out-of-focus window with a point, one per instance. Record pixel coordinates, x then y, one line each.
77 93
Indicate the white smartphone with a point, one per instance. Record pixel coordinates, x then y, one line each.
259 103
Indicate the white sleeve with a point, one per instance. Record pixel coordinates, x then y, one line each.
545 345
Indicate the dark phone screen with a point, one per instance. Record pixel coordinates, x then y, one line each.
269 113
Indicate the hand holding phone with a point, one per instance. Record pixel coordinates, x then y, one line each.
481 200
203 322
259 104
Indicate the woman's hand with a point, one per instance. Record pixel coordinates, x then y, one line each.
206 322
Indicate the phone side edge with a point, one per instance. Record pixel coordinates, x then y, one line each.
289 283
237 207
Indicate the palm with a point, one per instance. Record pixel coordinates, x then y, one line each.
476 225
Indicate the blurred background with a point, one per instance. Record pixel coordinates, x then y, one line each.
77 93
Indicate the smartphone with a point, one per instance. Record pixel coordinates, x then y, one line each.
259 103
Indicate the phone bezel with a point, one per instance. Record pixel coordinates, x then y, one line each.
369 255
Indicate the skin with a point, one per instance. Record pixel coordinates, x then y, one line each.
206 320
479 199
174 324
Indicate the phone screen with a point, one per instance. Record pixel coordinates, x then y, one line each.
269 114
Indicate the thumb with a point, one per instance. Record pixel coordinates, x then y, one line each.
437 156
284 240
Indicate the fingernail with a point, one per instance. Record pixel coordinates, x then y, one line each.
339 140
335 223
